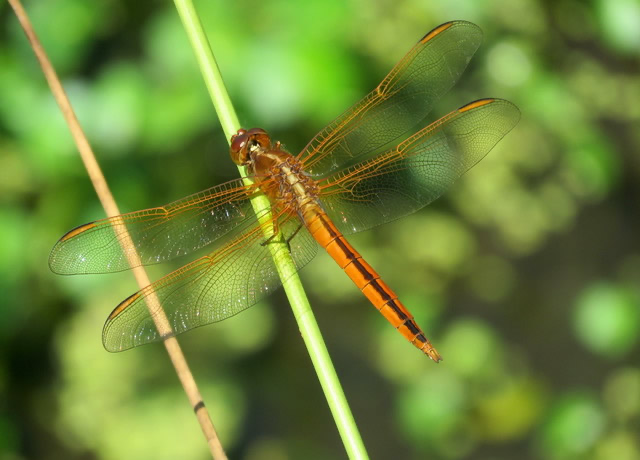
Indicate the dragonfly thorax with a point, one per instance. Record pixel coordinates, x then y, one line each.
284 180
280 173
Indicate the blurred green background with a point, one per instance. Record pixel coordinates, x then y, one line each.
525 276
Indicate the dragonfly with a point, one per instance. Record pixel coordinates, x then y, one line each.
378 161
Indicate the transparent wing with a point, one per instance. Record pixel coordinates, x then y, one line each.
418 170
209 289
403 99
157 234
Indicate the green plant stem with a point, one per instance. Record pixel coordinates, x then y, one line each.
285 265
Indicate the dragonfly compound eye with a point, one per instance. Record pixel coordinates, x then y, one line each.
260 138
239 147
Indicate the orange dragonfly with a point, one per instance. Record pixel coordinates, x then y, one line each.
376 162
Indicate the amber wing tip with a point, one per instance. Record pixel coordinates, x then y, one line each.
429 35
76 231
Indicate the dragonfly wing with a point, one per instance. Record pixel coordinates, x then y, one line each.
209 289
156 234
402 100
418 170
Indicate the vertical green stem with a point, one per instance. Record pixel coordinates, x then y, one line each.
285 265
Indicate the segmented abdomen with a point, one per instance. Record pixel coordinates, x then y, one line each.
365 277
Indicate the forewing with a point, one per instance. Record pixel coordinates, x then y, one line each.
403 99
209 289
156 234
418 170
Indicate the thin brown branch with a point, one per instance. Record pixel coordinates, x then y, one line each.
111 208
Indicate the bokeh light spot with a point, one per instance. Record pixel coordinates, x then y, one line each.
607 319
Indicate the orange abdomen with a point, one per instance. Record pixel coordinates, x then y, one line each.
367 280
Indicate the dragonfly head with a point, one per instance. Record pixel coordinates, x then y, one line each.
245 142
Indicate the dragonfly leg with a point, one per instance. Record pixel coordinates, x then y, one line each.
276 232
292 236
